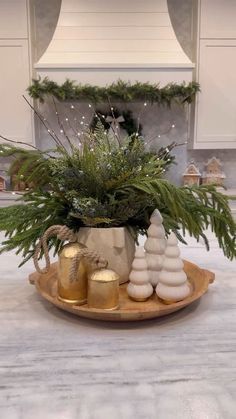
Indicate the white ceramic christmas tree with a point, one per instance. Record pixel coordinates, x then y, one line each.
139 287
155 247
173 285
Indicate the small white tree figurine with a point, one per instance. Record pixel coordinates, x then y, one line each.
139 288
155 247
173 285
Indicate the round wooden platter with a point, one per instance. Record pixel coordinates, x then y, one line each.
46 285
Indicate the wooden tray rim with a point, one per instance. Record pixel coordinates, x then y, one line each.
124 314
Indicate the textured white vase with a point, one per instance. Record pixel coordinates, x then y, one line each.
173 285
139 287
115 244
155 247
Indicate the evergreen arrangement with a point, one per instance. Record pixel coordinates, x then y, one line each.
103 183
119 91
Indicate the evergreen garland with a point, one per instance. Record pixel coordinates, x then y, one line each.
120 91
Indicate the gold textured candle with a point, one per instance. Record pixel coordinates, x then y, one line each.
73 292
103 289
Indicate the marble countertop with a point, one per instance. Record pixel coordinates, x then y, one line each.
57 366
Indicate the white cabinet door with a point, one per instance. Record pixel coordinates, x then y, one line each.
15 114
215 119
218 19
13 19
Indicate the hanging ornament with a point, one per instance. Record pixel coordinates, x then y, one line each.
173 284
139 287
122 122
115 130
155 247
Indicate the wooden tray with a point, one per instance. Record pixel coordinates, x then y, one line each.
46 285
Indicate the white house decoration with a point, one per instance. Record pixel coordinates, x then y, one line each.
191 176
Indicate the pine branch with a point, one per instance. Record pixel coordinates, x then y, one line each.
124 91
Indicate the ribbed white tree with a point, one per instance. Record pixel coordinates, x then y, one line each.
155 247
139 287
173 285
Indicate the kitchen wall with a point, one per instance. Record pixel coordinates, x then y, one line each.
155 120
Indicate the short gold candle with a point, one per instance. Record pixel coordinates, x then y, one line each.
74 292
103 289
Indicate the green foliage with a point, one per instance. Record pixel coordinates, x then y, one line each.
25 223
31 166
120 91
106 184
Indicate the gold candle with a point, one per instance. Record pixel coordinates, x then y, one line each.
103 289
73 292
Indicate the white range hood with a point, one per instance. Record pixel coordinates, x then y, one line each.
100 41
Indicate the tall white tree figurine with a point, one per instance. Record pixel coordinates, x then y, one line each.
155 247
173 284
139 287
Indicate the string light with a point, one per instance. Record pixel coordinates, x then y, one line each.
72 107
67 119
81 123
83 117
61 131
145 104
90 106
162 134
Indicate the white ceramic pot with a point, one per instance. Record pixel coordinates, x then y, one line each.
115 244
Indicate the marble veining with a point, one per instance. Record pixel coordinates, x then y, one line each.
57 366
